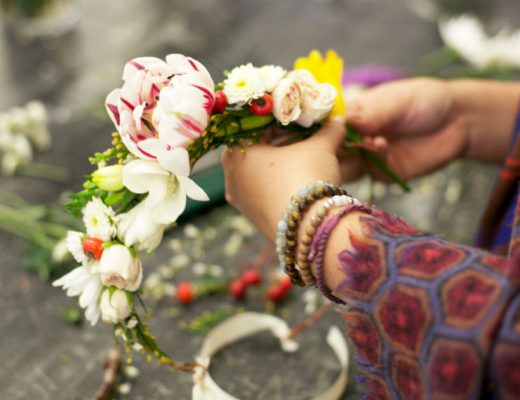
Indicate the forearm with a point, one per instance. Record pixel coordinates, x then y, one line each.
487 112
417 304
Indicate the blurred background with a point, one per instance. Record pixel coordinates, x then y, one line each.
68 54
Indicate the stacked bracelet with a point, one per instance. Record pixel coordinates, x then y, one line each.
289 224
304 245
319 245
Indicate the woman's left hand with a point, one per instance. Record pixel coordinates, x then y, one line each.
261 180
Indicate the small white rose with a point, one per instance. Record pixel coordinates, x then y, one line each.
317 98
114 306
287 97
117 267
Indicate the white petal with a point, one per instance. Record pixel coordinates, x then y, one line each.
154 146
137 175
111 104
158 191
169 210
177 161
193 191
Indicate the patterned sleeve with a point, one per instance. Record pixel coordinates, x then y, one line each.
429 318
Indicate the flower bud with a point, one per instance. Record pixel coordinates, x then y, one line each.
119 268
115 305
109 178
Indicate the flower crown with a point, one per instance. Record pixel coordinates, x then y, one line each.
168 114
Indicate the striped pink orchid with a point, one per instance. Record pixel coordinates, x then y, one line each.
167 100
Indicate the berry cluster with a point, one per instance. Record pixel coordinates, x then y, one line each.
260 106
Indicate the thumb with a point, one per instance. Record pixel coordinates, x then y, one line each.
379 108
331 135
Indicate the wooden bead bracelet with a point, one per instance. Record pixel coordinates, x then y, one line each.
290 221
304 244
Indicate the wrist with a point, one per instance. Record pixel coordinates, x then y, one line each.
485 111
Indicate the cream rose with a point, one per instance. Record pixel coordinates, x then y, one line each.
317 98
117 267
287 96
114 306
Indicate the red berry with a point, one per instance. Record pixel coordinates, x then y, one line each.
237 289
185 293
220 102
251 277
275 293
93 247
262 105
285 284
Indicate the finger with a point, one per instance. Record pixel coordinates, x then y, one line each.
332 135
379 108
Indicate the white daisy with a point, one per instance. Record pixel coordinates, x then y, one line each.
270 75
74 242
243 84
85 283
99 220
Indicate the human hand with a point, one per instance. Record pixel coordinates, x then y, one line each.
261 180
412 124
418 125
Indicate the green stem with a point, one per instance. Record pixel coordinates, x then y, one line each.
44 171
18 224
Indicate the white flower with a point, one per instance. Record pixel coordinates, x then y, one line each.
270 75
99 220
117 267
84 282
166 181
286 101
183 110
137 228
17 152
60 251
114 305
317 98
466 35
36 129
74 242
243 84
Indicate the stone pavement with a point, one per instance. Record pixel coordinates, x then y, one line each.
44 357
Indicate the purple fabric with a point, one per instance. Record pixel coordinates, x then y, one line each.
371 75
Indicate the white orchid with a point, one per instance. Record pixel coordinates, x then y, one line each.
85 282
466 35
136 228
166 181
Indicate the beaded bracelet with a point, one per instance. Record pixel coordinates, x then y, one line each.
304 243
319 245
289 223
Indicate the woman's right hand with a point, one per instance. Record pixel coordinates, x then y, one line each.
418 125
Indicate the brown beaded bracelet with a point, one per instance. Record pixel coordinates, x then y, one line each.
286 240
304 245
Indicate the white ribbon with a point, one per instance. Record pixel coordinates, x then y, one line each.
247 324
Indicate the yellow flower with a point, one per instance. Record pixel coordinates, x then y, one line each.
328 70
